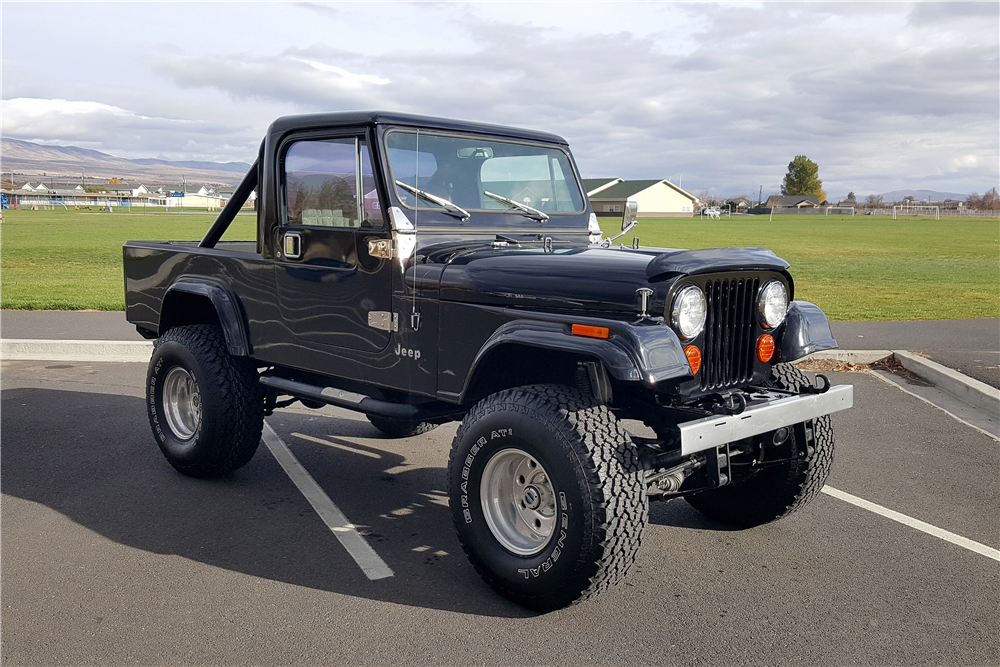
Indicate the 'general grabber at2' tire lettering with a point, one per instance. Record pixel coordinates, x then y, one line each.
547 495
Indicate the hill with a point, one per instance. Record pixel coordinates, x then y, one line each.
922 195
28 161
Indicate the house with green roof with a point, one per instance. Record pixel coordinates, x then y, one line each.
656 198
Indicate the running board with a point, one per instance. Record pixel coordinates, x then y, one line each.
359 402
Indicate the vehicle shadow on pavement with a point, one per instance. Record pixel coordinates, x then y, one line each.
678 514
92 458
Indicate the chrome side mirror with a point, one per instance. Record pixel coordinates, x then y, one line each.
631 211
628 222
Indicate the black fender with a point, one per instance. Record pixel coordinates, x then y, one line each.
227 308
647 353
806 331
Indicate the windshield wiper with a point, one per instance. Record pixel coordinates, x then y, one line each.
530 212
443 203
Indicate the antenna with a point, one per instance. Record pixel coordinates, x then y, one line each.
414 315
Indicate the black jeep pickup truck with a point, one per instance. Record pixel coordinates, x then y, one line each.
421 271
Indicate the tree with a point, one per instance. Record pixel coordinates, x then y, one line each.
851 197
873 199
803 179
991 200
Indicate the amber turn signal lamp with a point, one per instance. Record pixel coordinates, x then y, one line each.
590 332
765 347
694 358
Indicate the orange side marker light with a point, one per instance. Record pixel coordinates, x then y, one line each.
765 348
590 332
694 358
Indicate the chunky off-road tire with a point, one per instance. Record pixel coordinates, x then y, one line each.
400 428
779 490
547 494
205 406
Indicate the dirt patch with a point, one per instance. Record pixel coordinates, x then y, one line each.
890 364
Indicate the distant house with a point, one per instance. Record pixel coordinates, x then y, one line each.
141 190
27 187
656 198
792 201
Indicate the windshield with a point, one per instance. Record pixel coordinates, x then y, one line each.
457 172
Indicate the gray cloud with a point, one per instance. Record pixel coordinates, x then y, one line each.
882 96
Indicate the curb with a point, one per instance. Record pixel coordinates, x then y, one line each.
966 389
75 350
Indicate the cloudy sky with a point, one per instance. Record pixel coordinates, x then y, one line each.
718 97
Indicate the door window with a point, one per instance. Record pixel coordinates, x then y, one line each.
329 183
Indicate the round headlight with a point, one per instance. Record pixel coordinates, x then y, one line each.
689 311
772 304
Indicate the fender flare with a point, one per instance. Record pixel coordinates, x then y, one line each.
806 331
646 354
227 308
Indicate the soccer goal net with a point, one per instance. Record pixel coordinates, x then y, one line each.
840 210
916 210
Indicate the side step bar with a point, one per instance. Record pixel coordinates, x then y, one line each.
360 402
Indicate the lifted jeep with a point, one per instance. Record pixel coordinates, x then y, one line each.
421 271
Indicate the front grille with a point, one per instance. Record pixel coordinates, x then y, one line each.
729 332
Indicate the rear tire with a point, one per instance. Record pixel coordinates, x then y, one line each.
547 494
776 491
400 428
206 407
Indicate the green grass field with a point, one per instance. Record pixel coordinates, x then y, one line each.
860 268
72 260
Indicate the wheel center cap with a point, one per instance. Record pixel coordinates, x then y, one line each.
532 498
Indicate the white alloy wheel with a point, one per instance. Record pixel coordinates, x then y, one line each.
518 502
181 403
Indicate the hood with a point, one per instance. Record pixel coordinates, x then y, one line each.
711 260
583 278
562 278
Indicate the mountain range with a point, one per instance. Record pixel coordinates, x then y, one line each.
921 195
25 161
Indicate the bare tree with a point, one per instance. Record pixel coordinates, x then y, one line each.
991 200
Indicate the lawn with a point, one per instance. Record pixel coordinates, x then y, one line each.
72 260
860 268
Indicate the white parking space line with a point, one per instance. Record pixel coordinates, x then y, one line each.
963 542
362 553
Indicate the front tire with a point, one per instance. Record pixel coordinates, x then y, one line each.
778 490
205 406
547 494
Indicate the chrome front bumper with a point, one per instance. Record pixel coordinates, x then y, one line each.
702 434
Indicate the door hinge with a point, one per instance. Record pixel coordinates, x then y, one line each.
380 248
380 319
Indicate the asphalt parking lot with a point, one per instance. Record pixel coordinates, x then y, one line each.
111 557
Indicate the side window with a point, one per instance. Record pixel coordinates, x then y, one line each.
322 184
